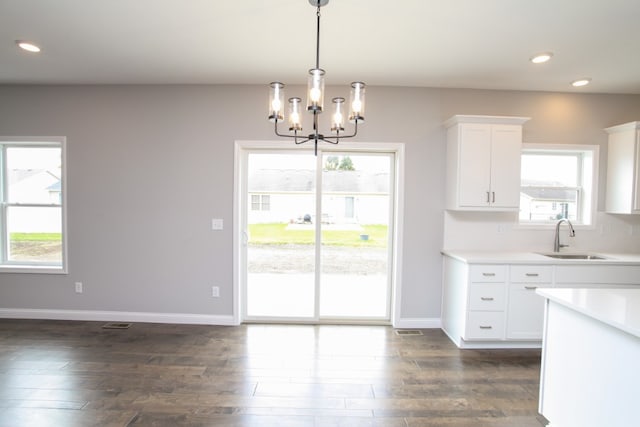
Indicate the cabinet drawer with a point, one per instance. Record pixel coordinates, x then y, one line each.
487 273
531 273
485 325
611 274
487 296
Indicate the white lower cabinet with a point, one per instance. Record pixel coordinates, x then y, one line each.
525 310
496 305
474 302
486 297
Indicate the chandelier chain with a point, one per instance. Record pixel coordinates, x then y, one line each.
318 38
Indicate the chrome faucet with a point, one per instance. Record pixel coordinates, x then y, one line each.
556 242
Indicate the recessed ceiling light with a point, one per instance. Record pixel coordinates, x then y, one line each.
28 46
539 58
581 82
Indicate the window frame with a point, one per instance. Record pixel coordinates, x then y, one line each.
587 198
7 266
260 202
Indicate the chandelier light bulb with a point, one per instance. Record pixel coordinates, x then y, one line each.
357 101
276 100
295 122
315 94
315 90
275 105
337 121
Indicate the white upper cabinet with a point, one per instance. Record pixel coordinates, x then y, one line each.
623 162
483 162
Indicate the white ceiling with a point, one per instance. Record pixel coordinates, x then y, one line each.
482 44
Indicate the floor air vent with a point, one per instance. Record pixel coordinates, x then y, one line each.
408 332
115 325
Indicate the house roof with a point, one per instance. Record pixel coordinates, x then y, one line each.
549 194
17 175
301 180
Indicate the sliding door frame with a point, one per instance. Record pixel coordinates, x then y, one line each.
242 150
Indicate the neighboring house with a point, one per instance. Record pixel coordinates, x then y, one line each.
34 186
544 204
288 195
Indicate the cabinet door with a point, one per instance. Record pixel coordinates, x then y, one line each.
474 165
525 312
506 148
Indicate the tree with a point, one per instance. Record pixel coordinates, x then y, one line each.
332 163
346 164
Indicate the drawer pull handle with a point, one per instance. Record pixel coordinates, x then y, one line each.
532 274
486 327
488 274
486 298
531 288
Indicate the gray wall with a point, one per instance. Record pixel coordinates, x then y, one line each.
149 166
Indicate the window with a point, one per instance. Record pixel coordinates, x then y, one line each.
558 181
32 212
260 202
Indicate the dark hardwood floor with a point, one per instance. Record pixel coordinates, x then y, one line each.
58 373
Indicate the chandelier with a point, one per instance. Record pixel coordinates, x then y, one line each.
315 103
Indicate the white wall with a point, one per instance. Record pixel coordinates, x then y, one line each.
149 166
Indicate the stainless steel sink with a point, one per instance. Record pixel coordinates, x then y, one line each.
573 256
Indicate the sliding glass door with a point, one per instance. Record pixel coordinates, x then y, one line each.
317 236
354 244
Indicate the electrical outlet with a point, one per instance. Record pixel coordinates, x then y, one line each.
215 291
217 224
78 287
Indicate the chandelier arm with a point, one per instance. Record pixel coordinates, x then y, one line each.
284 135
303 141
336 139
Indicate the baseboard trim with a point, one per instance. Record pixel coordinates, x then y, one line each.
418 323
118 316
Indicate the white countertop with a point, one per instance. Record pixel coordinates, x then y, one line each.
619 308
511 257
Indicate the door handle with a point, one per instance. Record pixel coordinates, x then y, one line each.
245 238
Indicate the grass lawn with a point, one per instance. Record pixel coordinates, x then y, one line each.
277 234
35 237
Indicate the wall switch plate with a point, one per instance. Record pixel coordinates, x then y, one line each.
217 224
78 287
215 291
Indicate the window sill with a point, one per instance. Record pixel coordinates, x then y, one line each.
551 226
32 269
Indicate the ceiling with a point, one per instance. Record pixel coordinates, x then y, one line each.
483 44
